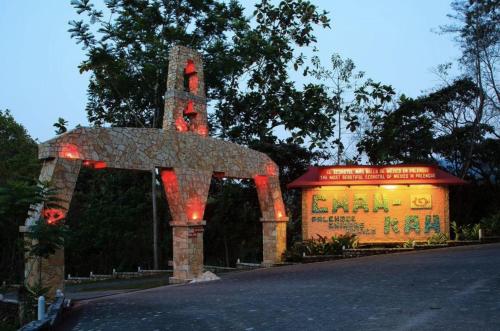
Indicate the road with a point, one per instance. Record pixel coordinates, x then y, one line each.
444 289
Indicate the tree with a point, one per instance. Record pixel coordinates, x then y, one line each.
478 35
60 126
344 83
247 62
18 170
404 135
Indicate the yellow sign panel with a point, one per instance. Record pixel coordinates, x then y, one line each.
386 213
421 201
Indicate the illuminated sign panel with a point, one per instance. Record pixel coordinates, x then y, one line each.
367 174
395 213
377 203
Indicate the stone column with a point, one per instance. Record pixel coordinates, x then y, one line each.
62 175
273 219
273 240
188 251
187 192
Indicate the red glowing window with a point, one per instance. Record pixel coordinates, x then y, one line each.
193 83
69 151
190 68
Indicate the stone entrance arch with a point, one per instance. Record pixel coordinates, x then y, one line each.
186 158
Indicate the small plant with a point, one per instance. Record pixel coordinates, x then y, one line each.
437 239
457 231
320 246
471 231
409 243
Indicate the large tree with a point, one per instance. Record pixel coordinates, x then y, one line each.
18 170
247 65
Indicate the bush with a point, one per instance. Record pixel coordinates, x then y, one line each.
320 246
491 224
437 239
466 232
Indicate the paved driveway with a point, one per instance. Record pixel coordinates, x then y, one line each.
445 289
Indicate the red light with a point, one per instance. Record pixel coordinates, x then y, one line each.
69 151
193 83
190 109
95 164
280 214
181 124
202 130
53 215
260 181
190 68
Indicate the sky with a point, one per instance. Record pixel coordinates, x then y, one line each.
393 41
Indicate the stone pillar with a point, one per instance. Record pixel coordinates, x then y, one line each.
187 192
188 251
273 219
62 175
273 240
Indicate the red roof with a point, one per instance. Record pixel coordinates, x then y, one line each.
375 175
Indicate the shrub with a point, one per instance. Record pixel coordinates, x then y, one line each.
320 246
437 239
491 224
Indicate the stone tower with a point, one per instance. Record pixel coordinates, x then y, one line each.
185 100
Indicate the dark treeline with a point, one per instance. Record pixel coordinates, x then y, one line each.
247 66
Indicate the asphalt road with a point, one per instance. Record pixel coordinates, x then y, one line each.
445 289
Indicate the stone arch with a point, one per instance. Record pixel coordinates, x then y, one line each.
187 159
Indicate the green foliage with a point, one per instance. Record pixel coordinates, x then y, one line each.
247 63
17 151
471 231
60 126
320 246
465 232
438 239
111 223
491 224
410 243
18 170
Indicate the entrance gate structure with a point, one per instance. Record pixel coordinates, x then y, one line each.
186 159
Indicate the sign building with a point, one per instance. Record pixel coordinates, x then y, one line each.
380 204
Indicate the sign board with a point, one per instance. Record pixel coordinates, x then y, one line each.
385 213
367 174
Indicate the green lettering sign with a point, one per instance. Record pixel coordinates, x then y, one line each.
390 224
434 224
380 202
360 202
315 208
412 223
340 203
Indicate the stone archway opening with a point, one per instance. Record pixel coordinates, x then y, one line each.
232 231
101 237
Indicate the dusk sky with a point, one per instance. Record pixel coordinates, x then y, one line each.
391 40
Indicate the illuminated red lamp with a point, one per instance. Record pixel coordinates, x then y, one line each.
53 215
190 109
69 151
195 209
202 130
190 68
95 164
181 125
